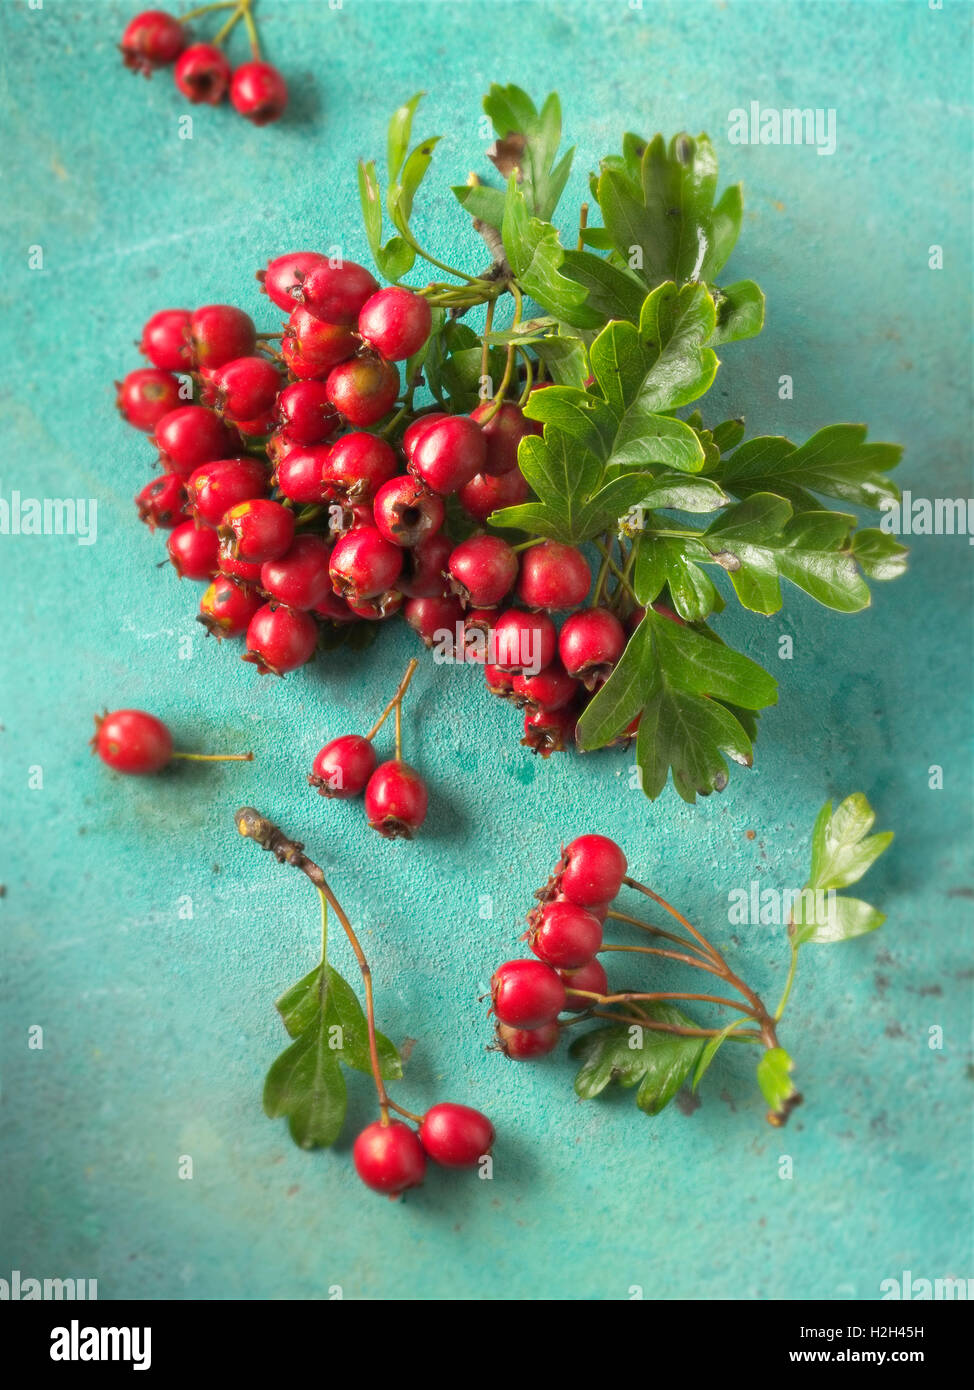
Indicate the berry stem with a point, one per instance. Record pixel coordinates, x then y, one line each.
631 998
400 1110
227 28
215 757
653 1026
711 951
528 377
696 962
602 575
582 224
657 931
248 19
620 576
206 9
395 702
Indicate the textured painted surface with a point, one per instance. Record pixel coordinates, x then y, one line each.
158 1029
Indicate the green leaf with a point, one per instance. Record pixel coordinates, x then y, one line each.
835 462
566 359
305 1085
482 202
299 1005
516 120
668 562
739 312
713 1046
842 848
774 1078
684 494
400 129
535 255
846 918
565 477
878 554
344 1009
395 259
725 228
612 292
399 198
370 196
657 1062
727 435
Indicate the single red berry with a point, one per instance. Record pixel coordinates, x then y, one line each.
548 731
407 513
591 870
202 73
300 473
553 576
597 910
498 682
482 571
389 1158
258 530
218 333
524 641
565 935
455 1136
245 387
396 800
258 92
191 436
333 609
524 1044
478 624
280 639
395 323
345 516
306 414
424 566
485 494
364 563
503 433
335 291
258 430
377 609
526 994
132 741
284 275
165 340
146 395
193 551
300 577
343 767
590 977
162 502
551 689
227 607
590 644
358 465
448 454
411 437
215 487
234 568
312 347
363 389
151 40
435 620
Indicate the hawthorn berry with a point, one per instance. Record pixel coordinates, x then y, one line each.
448 454
478 624
431 618
363 389
162 502
591 870
551 689
165 340
411 437
215 487
406 513
312 347
227 607
565 935
548 731
526 994
396 800
499 682
590 644
258 530
300 473
524 641
306 414
377 608
395 323
524 1044
218 333
482 571
280 639
333 609
485 493
283 276
423 567
343 767
590 977
300 576
258 92
335 292
553 576
359 464
234 568
202 73
151 40
193 550
389 1158
364 563
132 741
144 396
455 1136
191 436
503 432
345 516
245 388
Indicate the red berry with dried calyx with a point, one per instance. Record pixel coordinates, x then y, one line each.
423 568
551 689
283 276
503 432
245 387
165 340
524 1044
243 570
482 571
591 978
364 563
258 92
456 1136
406 512
300 473
448 454
591 870
526 994
218 333
343 767
377 608
565 935
306 414
553 576
548 731
358 465
202 73
215 487
190 436
144 396
435 620
590 644
300 576
396 800
227 607
363 389
132 741
395 322
499 682
162 502
312 347
389 1158
280 639
258 530
193 550
151 40
485 494
336 292
524 641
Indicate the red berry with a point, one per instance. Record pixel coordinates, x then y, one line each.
503 433
203 73
245 387
482 571
312 347
407 513
485 494
193 551
258 429
364 563
344 516
565 935
524 641
237 569
280 639
591 870
300 577
435 620
389 1158
455 1136
478 624
132 741
227 607
526 994
162 502
524 1044
590 644
151 40
498 682
258 530
377 609
553 576
363 389
590 977
551 689
358 465
423 567
259 92
191 436
300 473
165 340
548 731
306 414
285 274
333 609
146 395
343 767
214 488
448 454
218 333
396 800
395 323
411 437
336 292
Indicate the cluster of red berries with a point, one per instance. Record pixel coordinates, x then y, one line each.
565 934
390 1156
202 71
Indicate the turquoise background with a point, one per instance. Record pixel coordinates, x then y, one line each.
158 1029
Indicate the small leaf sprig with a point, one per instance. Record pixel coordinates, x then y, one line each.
647 1042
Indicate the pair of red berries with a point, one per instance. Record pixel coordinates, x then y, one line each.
390 1157
565 934
202 72
396 798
